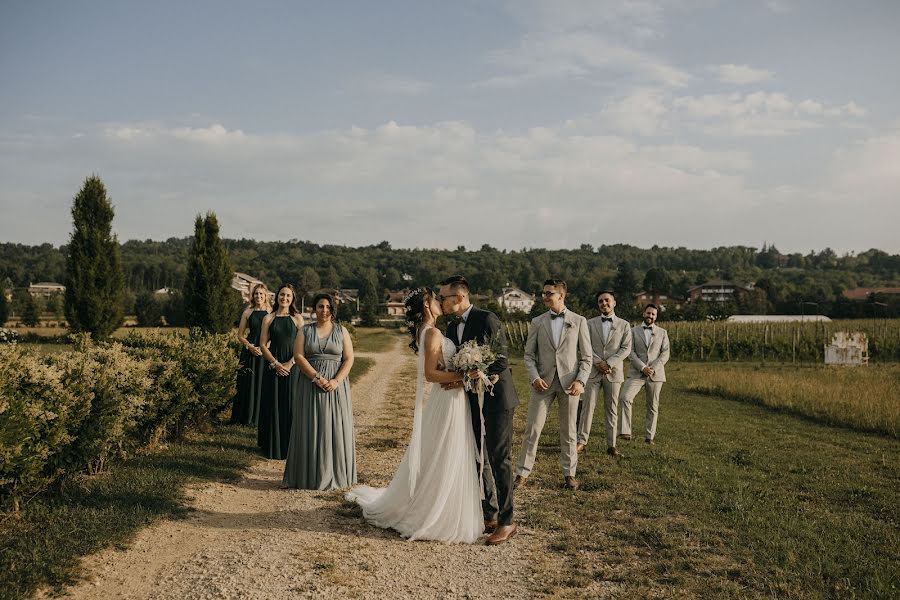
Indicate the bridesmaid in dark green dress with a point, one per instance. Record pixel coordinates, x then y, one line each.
245 409
280 384
322 453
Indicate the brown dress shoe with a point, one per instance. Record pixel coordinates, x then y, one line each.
613 452
571 483
579 448
520 480
490 526
625 436
503 533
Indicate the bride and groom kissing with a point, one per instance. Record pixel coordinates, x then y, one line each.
435 493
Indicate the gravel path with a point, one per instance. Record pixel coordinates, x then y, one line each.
250 539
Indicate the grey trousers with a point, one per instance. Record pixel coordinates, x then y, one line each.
651 392
610 406
538 405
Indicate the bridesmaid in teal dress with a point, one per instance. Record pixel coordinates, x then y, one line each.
245 409
280 384
322 453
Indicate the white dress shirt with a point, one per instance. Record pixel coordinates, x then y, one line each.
556 327
605 327
462 324
648 334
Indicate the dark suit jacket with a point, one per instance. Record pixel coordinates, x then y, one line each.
483 324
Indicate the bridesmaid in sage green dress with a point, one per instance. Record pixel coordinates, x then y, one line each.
322 453
280 384
245 409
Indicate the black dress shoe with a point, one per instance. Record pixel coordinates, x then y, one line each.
613 452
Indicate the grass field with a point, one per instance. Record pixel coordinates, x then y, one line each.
734 501
864 398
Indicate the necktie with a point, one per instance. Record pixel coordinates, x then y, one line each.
554 315
606 319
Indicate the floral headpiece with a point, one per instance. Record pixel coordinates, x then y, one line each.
409 296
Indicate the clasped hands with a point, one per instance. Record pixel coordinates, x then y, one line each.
473 374
648 371
576 388
283 370
603 367
254 350
326 385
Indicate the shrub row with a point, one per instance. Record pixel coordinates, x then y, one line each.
72 412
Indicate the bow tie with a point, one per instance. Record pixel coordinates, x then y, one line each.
648 326
605 319
554 315
457 320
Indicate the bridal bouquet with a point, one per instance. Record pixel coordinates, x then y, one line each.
473 356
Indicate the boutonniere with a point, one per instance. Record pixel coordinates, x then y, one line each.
568 325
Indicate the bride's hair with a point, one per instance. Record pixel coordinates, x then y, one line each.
415 313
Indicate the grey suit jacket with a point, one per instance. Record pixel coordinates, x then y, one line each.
616 349
571 360
656 356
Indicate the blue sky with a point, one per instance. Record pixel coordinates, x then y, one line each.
693 123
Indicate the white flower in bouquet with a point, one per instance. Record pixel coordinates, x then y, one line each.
473 356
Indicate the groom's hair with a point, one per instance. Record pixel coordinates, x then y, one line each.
557 283
456 283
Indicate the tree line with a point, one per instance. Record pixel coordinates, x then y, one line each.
784 283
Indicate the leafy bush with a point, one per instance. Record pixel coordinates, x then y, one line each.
72 412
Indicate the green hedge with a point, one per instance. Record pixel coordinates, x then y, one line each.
72 412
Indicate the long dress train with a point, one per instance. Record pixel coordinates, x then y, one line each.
441 499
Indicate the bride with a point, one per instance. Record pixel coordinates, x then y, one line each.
435 493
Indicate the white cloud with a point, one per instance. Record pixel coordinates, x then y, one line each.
578 54
757 113
740 74
642 112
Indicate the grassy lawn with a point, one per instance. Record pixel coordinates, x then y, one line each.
43 543
374 339
863 398
361 366
735 500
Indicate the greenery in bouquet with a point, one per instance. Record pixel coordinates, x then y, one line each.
472 356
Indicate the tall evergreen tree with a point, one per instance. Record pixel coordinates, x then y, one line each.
4 307
94 280
369 297
209 301
31 313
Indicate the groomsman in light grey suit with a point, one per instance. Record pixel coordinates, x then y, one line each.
558 360
611 344
649 355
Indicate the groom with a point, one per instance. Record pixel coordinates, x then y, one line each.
471 323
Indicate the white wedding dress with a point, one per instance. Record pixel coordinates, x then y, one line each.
441 499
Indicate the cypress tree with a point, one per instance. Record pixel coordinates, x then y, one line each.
30 312
209 301
368 296
94 280
4 307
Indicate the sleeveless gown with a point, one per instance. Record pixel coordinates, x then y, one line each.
322 452
249 380
445 504
278 393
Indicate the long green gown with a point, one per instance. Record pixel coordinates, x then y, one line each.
245 409
278 393
322 454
